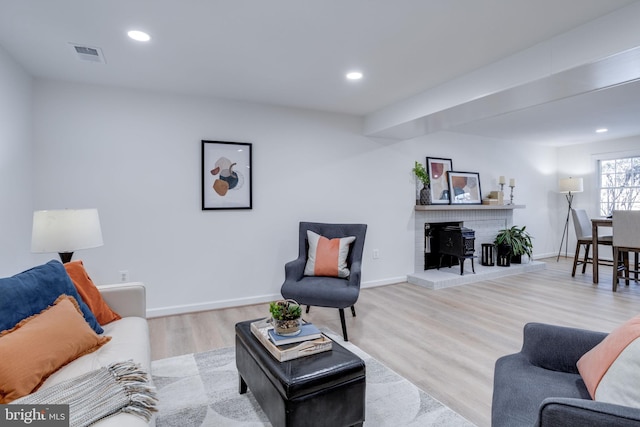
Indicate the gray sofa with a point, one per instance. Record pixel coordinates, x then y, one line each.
541 386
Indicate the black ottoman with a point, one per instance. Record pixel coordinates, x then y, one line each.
324 389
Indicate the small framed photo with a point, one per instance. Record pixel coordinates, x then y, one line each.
437 169
226 175
464 188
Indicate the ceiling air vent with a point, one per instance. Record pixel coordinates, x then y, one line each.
87 53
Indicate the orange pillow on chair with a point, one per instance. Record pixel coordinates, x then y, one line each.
327 257
89 293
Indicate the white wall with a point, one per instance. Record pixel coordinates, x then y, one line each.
16 183
136 157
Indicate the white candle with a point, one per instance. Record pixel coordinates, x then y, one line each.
501 180
512 182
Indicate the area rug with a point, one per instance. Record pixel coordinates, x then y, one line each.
201 389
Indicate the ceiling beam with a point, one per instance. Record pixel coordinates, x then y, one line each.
614 70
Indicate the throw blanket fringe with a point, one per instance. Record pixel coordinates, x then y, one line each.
119 387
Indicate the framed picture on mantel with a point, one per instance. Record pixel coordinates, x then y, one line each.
437 169
464 188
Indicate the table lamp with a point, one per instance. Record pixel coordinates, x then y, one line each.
568 186
65 231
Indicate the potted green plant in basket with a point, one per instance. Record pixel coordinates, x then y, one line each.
286 316
421 173
518 240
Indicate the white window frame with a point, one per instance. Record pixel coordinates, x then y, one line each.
605 208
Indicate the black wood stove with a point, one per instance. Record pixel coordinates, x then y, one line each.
459 243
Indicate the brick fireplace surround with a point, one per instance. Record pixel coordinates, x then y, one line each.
486 221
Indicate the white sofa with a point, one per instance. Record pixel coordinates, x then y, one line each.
129 341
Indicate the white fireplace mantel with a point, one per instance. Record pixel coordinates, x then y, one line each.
467 207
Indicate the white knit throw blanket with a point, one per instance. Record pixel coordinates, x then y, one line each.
119 387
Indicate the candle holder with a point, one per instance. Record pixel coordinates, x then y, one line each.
511 196
502 186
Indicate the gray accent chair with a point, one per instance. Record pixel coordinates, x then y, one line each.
541 386
323 291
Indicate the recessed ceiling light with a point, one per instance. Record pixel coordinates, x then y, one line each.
602 130
140 36
354 75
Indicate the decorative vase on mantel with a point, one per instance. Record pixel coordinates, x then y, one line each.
425 196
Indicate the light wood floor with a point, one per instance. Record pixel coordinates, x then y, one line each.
445 341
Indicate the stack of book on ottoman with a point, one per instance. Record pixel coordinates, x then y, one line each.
309 341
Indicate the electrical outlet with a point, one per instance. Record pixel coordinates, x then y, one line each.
376 253
124 275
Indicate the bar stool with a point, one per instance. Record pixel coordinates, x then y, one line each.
626 238
582 225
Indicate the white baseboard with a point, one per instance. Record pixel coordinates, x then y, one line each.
383 282
549 255
213 305
210 305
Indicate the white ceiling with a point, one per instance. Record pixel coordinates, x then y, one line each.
296 52
568 121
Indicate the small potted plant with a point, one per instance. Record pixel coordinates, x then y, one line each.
421 173
515 242
286 316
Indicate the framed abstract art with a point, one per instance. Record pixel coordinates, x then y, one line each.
437 169
464 188
226 175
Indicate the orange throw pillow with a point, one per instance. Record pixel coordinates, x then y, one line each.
596 364
41 344
90 293
327 257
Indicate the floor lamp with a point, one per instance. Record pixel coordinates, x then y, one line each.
568 186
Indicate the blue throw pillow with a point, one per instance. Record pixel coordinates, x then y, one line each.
32 291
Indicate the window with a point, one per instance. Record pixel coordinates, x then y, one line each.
619 185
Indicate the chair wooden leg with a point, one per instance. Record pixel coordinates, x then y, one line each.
344 324
587 247
616 255
575 259
626 268
353 310
308 307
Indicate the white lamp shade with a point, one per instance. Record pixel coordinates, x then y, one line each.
571 185
65 230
